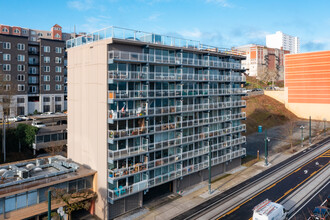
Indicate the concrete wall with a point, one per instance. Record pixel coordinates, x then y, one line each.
278 95
87 113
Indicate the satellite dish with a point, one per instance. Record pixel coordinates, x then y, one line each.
37 169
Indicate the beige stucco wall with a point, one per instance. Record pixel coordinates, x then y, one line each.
87 113
278 95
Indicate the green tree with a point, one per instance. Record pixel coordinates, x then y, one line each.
30 133
20 134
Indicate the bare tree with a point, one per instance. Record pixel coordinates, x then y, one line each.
56 149
290 126
269 75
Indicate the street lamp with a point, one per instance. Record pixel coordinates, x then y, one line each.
302 135
266 148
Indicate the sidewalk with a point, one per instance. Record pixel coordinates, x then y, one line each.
197 194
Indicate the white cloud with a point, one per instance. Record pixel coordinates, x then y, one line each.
81 5
222 3
196 33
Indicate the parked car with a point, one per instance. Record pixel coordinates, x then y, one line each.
38 124
11 119
321 213
22 118
256 90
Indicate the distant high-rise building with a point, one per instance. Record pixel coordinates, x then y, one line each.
145 110
283 41
33 67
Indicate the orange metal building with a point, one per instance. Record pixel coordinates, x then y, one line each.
307 84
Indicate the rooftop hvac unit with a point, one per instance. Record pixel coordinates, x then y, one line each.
8 173
40 162
30 166
23 173
2 171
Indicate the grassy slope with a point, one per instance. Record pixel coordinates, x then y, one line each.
266 111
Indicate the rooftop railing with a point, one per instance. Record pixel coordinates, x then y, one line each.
141 36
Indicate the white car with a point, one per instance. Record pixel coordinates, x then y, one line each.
11 119
22 118
38 124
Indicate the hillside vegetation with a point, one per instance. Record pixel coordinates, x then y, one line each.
265 111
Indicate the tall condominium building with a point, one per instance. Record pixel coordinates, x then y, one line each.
307 84
33 68
145 110
260 60
283 41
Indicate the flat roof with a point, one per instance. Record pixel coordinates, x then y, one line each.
32 174
141 36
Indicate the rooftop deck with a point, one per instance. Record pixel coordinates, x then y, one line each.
140 36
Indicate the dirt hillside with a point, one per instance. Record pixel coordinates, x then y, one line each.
265 111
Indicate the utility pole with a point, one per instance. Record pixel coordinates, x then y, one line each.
209 168
302 135
266 148
49 204
325 126
310 130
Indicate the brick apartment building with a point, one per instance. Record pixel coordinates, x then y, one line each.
33 67
260 59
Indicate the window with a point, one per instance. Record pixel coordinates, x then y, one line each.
20 100
46 87
20 87
33 39
40 34
58 50
16 31
6 57
7 77
6 45
24 31
5 29
57 36
58 78
20 77
46 59
32 198
65 90
58 87
65 80
21 200
33 32
6 67
1 205
58 69
32 79
58 60
46 99
10 203
46 49
46 68
20 46
32 70
46 78
20 57
7 87
20 67
33 89
49 34
58 98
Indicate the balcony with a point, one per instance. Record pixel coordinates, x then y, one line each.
143 130
171 60
134 75
143 94
123 191
178 140
141 112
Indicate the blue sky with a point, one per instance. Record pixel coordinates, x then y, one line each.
222 23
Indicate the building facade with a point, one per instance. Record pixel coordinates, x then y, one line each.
283 41
33 66
307 84
145 110
24 185
260 60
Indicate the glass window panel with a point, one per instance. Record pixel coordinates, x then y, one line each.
21 200
81 184
1 206
32 197
10 203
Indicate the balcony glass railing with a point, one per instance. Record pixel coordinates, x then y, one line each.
141 57
139 112
180 171
142 94
173 126
178 140
134 75
141 36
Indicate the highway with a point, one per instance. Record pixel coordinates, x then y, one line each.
276 183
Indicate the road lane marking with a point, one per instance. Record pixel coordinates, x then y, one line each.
237 207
